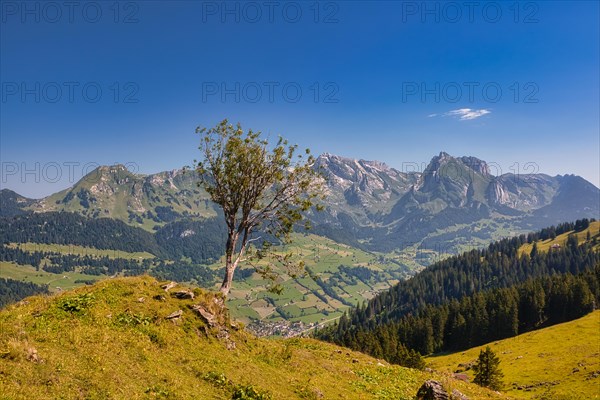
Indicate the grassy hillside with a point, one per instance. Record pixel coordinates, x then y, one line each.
561 240
559 362
115 192
112 340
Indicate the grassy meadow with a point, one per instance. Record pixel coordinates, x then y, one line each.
112 341
561 362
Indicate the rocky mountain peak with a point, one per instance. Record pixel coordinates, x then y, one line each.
363 183
477 165
438 161
326 160
442 161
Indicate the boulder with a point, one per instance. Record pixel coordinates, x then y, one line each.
465 366
184 294
207 316
223 335
168 286
462 377
432 390
175 315
32 355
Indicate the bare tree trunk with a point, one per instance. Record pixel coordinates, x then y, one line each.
226 285
230 265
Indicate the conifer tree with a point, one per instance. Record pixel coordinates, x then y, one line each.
487 370
534 250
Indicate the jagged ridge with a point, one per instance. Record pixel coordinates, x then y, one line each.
369 204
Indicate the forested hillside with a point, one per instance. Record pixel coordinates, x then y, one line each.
12 291
479 296
202 241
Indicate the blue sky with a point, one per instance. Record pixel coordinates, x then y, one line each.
516 84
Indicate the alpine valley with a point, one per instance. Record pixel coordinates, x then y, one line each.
379 226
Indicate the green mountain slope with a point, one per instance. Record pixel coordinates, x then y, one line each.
480 296
145 201
115 340
558 362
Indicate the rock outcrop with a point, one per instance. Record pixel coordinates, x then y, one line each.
432 390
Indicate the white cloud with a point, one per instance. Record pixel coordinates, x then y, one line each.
465 114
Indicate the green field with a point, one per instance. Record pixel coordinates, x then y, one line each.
80 250
560 362
55 282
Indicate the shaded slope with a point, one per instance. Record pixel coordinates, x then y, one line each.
12 203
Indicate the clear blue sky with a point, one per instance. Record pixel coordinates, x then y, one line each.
390 81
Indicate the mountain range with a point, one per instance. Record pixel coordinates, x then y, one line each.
455 202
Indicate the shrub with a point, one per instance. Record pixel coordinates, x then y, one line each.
77 304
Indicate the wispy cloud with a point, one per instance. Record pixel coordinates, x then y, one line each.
465 114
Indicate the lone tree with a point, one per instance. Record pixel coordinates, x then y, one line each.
487 370
259 189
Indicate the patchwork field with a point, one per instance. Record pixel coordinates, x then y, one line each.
323 291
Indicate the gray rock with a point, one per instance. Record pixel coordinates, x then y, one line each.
462 377
432 390
207 316
168 286
32 355
456 395
184 294
175 315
